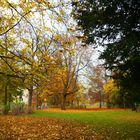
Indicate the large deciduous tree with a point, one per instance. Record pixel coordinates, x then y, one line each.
26 39
114 24
36 46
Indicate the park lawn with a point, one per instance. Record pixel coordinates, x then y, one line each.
110 124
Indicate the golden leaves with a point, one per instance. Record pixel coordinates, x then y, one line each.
62 12
27 6
42 128
59 18
110 87
3 3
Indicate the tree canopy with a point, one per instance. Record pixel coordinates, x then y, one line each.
115 25
38 49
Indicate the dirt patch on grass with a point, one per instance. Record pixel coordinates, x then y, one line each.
13 128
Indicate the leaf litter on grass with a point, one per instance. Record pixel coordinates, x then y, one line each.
32 128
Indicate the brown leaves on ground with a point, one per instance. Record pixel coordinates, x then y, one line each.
31 128
79 110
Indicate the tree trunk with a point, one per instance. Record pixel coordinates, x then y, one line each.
37 100
100 100
63 104
30 97
9 101
56 101
72 104
5 111
77 99
108 102
124 105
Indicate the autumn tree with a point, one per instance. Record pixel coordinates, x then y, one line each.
68 63
113 93
10 83
97 79
28 38
42 50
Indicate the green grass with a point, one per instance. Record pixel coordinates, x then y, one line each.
115 124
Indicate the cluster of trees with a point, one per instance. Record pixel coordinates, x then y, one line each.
114 25
41 50
38 51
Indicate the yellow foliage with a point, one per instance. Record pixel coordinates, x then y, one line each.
59 19
3 3
62 12
110 87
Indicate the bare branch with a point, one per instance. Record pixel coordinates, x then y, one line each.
14 24
12 75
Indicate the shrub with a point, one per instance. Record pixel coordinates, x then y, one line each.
17 108
5 109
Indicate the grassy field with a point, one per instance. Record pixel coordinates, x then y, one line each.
110 124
